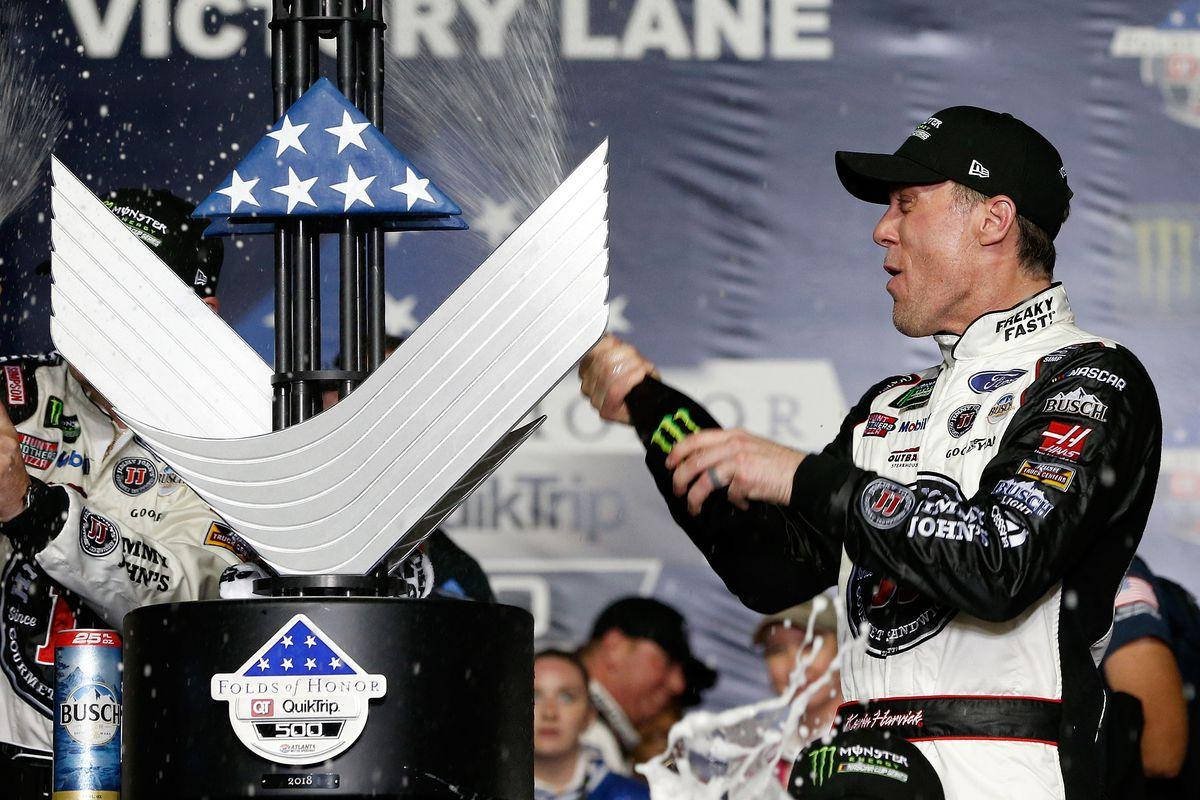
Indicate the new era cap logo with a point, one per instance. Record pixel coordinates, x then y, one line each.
978 170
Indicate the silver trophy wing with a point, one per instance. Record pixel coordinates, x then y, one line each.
333 494
141 336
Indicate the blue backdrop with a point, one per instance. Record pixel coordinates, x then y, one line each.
738 262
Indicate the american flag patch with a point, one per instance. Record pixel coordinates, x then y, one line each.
1136 590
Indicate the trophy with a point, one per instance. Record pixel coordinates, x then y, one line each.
328 683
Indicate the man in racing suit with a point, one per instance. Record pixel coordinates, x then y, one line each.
977 516
92 525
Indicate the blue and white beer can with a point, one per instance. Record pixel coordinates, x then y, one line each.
87 715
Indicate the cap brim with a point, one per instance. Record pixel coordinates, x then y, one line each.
871 176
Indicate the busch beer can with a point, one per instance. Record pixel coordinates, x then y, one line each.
87 715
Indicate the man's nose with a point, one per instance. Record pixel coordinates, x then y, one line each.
885 234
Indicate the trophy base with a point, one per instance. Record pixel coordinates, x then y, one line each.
238 698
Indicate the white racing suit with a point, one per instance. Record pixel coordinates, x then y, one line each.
124 532
977 518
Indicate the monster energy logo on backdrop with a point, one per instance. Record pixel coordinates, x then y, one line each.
673 426
820 764
1166 245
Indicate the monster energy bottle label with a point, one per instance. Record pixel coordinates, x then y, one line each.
87 715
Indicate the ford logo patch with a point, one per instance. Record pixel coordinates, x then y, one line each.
984 382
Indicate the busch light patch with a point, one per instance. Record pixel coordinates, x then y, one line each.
134 475
1001 409
300 699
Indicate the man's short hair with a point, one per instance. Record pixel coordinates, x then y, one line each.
1035 249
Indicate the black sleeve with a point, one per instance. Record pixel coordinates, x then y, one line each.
18 386
768 556
1058 485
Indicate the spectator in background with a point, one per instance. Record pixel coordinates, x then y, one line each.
563 769
783 640
1154 655
640 662
655 734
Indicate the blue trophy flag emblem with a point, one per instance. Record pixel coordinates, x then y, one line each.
324 158
300 651
300 699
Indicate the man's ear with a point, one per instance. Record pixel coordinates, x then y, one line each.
999 216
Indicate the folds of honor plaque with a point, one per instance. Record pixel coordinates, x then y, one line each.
327 682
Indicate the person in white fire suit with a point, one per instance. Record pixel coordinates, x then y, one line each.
92 525
977 516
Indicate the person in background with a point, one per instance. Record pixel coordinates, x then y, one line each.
655 734
563 768
784 642
92 524
1154 655
640 662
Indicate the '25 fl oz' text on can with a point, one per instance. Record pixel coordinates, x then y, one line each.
87 715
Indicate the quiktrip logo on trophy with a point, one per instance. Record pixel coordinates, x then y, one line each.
300 699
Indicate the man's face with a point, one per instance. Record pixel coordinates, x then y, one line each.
561 709
928 237
782 644
647 679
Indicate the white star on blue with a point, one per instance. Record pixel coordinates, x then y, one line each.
324 660
325 158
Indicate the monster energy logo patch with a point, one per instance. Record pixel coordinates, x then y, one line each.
820 764
69 425
673 429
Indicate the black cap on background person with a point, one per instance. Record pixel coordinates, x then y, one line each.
163 222
647 618
864 765
992 153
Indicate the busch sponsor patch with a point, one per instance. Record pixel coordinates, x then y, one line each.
134 475
884 503
1056 476
1079 403
300 699
1033 317
1064 440
98 536
1098 375
879 425
916 397
1001 410
14 381
893 618
962 419
1023 496
984 382
35 452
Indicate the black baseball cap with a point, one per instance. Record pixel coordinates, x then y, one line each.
990 152
647 618
864 765
163 221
